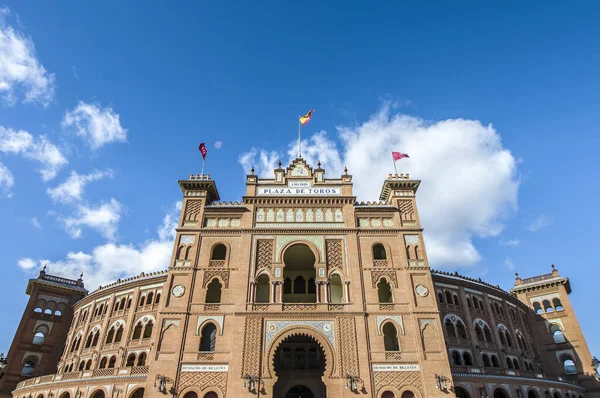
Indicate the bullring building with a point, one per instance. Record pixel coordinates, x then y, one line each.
299 291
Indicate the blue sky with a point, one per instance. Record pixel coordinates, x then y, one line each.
103 107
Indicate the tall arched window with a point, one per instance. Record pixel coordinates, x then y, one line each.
299 285
213 292
537 308
137 331
460 329
557 304
142 359
467 359
263 289
390 337
558 336
509 363
379 252
450 328
110 336
488 334
469 302
384 291
336 292
547 306
103 362
81 365
312 286
440 297
219 252
569 365
28 368
148 330
38 338
287 286
479 333
456 359
88 341
112 362
119 334
448 297
486 361
150 298
130 360
455 297
208 338
495 362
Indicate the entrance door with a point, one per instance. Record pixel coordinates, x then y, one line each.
299 392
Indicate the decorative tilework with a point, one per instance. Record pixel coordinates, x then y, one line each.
411 239
217 318
318 241
186 240
325 327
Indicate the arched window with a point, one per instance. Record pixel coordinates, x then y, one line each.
110 336
119 334
467 359
508 339
558 336
157 299
81 365
209 338
488 333
38 338
312 286
137 331
537 308
502 337
520 341
486 361
88 364
122 304
460 329
148 330
96 337
448 297
142 359
28 368
287 286
39 310
390 337
263 289
142 301
384 291
336 293
128 303
88 341
379 252
456 359
479 333
48 311
547 306
516 364
299 285
469 302
112 361
450 328
150 298
557 304
188 251
495 362
417 252
130 360
569 365
455 297
509 363
475 303
440 297
219 252
213 292
103 363
481 306
178 254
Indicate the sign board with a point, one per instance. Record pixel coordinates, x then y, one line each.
293 191
396 367
204 368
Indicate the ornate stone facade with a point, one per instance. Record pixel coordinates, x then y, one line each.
298 290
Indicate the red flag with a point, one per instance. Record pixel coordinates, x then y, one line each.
202 149
399 155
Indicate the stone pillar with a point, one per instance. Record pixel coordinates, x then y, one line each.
252 289
347 291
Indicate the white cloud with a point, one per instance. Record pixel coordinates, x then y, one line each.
20 69
6 180
103 218
26 263
510 242
35 223
97 126
509 264
72 189
38 148
469 180
108 262
541 221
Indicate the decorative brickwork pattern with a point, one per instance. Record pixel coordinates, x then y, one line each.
264 254
192 210
389 274
210 274
349 346
407 210
203 380
333 250
399 380
252 344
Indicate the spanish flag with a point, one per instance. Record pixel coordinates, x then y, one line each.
306 118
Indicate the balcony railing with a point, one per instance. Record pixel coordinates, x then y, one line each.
132 371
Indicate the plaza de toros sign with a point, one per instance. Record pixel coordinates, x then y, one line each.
300 188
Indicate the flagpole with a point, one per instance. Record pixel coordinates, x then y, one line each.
394 160
203 162
299 152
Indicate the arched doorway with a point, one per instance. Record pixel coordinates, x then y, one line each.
298 358
299 391
98 394
299 275
461 392
139 393
500 393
